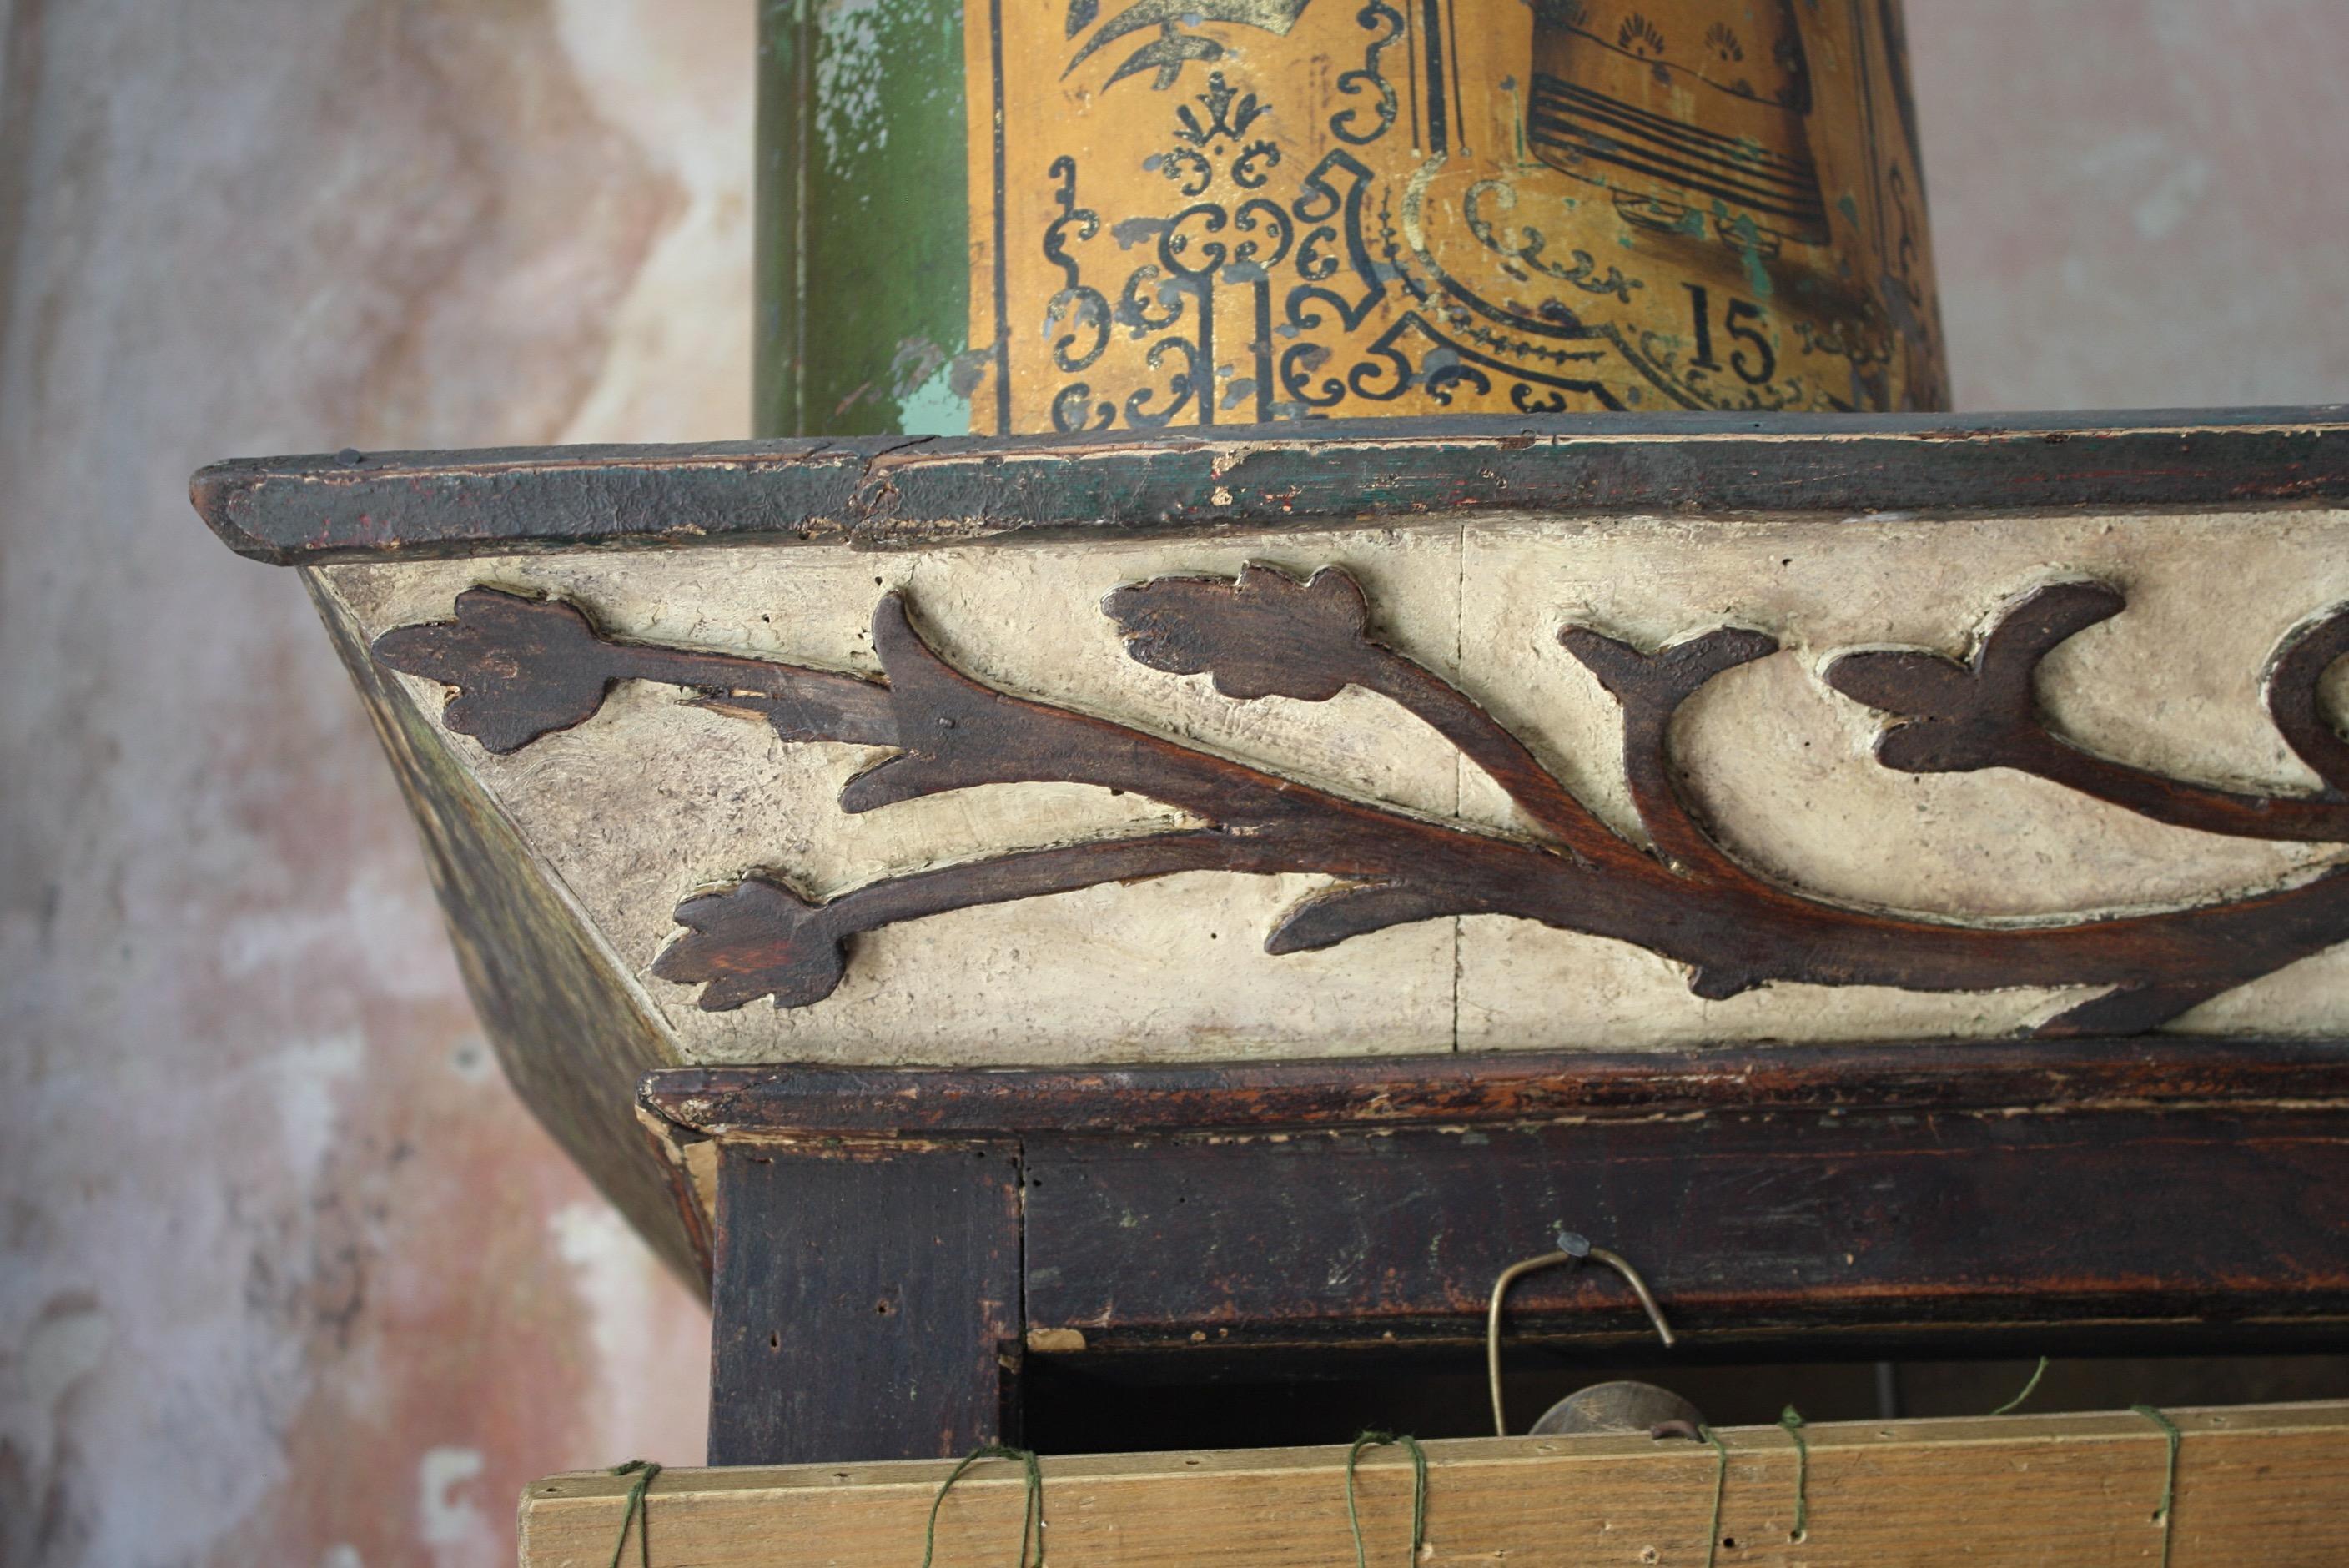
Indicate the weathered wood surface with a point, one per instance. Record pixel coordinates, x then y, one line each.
672 750
570 1031
903 492
2149 1193
2266 1484
1995 1077
865 1301
1841 1232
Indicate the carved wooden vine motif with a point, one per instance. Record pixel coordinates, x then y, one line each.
523 668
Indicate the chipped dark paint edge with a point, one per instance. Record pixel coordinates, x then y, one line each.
901 492
2140 1195
1993 1077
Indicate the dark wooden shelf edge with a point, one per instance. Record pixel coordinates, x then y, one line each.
1536 1338
2165 1194
1502 1087
902 492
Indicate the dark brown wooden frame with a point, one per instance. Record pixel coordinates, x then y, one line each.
889 1246
891 1243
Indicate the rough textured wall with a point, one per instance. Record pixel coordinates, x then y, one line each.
2137 204
285 1274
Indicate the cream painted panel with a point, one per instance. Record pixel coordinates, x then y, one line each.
1781 764
655 798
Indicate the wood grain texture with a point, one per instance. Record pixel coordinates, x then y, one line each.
903 492
2148 1192
1922 1078
865 1302
1940 1232
2266 1484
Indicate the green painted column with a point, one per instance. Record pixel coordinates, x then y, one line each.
864 221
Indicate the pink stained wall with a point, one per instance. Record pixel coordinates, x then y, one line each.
2138 203
287 1276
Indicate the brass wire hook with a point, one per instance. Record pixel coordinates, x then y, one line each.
1572 1249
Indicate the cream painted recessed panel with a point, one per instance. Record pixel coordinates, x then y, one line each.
657 798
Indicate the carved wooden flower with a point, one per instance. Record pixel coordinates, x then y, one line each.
1263 633
523 667
756 939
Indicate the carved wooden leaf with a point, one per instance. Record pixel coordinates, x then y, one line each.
1663 679
1263 633
522 667
1957 718
1945 722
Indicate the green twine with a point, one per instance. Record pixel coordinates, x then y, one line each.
1031 1519
2036 1373
1418 1491
1720 1485
2169 1477
644 1470
1792 1419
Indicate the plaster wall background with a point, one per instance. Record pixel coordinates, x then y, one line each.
286 1274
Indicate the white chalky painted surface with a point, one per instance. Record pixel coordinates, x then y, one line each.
654 799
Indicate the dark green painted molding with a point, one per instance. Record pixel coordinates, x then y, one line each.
906 492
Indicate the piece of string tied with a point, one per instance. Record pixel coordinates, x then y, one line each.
1792 1419
1418 1491
2169 1476
1031 1519
2036 1373
1720 1485
638 1512
1697 1432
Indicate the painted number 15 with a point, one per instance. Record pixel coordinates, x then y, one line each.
1736 322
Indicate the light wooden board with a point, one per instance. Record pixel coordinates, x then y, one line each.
2264 1483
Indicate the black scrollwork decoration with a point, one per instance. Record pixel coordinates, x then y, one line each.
1077 306
1386 22
1269 252
1530 244
1386 372
1145 286
1179 390
1189 168
1255 164
1444 380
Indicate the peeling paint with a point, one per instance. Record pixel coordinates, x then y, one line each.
446 1512
935 408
